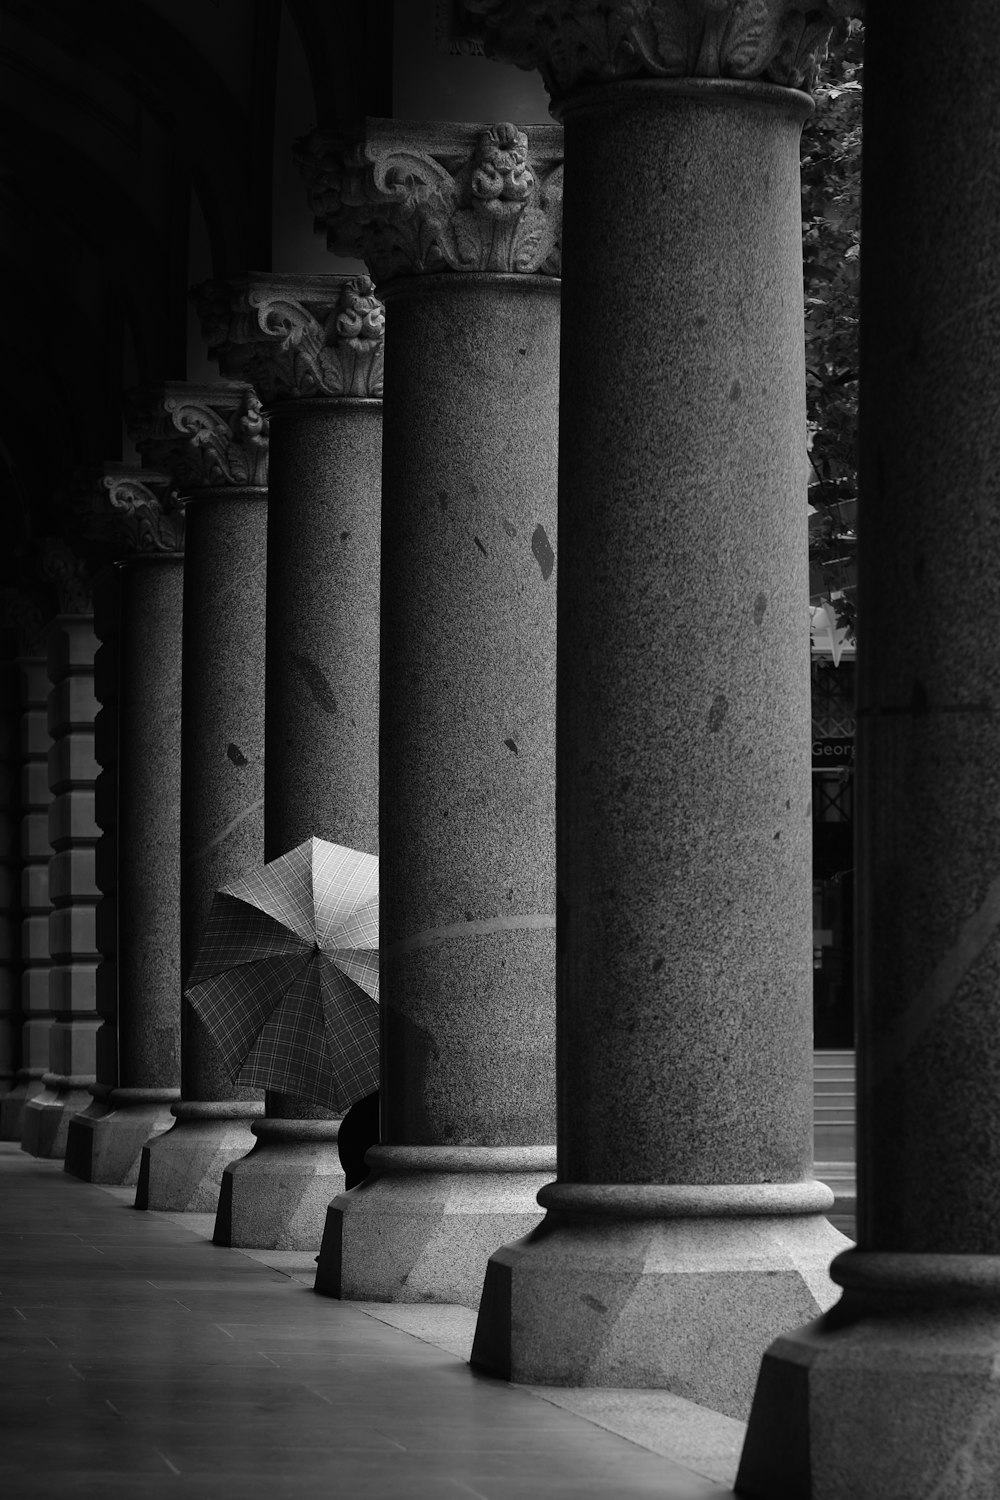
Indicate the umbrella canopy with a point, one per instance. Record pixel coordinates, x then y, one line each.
287 976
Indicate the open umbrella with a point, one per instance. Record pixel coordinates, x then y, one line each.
286 979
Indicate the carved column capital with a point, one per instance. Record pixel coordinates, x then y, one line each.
146 514
295 336
119 509
577 43
203 436
412 197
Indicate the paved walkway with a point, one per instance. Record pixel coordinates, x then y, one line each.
137 1359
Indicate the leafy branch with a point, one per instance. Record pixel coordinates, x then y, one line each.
831 247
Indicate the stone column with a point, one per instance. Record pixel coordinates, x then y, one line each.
312 348
459 227
138 612
35 905
213 441
895 1392
10 872
73 835
685 1225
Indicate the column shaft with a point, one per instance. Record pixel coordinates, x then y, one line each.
321 738
222 745
468 666
322 624
896 1392
683 833
142 894
466 807
149 795
683 823
221 817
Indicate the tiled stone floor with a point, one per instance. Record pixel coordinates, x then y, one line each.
137 1359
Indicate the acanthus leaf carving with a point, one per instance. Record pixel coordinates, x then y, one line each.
413 198
149 519
205 437
294 337
577 43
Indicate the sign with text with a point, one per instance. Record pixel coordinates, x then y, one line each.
827 755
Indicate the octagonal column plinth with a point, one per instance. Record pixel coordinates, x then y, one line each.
213 440
467 717
312 346
685 1226
895 1392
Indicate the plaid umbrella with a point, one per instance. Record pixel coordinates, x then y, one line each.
286 979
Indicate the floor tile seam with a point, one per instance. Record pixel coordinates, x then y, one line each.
425 1337
540 1394
606 1426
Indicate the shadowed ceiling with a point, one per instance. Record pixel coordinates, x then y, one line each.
138 151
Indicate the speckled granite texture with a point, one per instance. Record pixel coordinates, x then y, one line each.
182 1169
683 818
222 818
149 795
324 485
468 674
686 1304
276 1197
416 1234
222 751
149 591
896 1393
466 776
104 1142
321 738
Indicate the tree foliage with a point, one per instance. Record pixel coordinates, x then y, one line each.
831 243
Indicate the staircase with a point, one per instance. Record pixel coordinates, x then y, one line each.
833 1133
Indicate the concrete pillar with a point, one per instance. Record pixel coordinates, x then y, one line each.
464 250
895 1392
685 1225
312 348
10 875
138 614
35 905
213 440
73 835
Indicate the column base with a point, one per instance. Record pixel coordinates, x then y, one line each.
894 1392
181 1169
672 1288
27 1083
104 1143
46 1117
276 1198
422 1226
